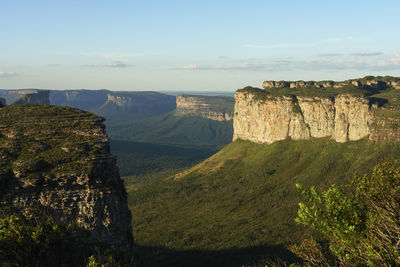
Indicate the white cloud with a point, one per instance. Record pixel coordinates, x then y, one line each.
114 64
329 55
368 54
114 55
358 63
190 67
390 64
311 44
7 74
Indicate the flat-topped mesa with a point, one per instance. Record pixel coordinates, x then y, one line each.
57 159
262 116
218 108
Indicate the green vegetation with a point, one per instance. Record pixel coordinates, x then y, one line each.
53 139
361 221
185 131
45 243
311 90
243 198
142 162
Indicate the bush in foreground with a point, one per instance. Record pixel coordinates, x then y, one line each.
361 221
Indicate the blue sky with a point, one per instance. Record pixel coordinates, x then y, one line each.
194 45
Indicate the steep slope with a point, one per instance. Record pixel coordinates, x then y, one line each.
245 196
82 99
25 96
345 111
56 160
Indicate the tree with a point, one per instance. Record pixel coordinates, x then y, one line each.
361 221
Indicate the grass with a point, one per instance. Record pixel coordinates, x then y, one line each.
138 162
244 196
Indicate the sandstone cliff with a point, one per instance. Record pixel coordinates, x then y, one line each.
266 117
218 108
57 159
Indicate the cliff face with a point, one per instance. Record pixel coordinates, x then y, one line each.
82 99
210 107
26 96
343 117
57 159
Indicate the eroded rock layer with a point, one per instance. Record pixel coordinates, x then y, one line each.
218 108
57 159
343 117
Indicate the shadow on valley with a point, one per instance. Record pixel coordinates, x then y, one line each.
250 256
143 161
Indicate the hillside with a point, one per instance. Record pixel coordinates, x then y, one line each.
244 197
138 162
173 129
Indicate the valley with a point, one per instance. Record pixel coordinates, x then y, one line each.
211 180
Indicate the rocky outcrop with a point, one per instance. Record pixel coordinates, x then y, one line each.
121 101
344 118
218 108
368 82
57 159
2 102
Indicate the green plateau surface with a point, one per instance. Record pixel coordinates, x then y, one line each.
185 131
40 138
381 93
242 199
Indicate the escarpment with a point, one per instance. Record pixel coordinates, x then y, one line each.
298 110
219 108
26 96
57 159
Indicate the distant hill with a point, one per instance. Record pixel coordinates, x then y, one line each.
121 106
83 99
173 129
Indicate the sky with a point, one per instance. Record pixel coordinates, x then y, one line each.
183 45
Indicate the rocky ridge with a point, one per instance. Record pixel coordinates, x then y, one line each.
367 82
219 108
57 159
265 118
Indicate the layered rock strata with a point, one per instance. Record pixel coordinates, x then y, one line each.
343 118
217 108
57 159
